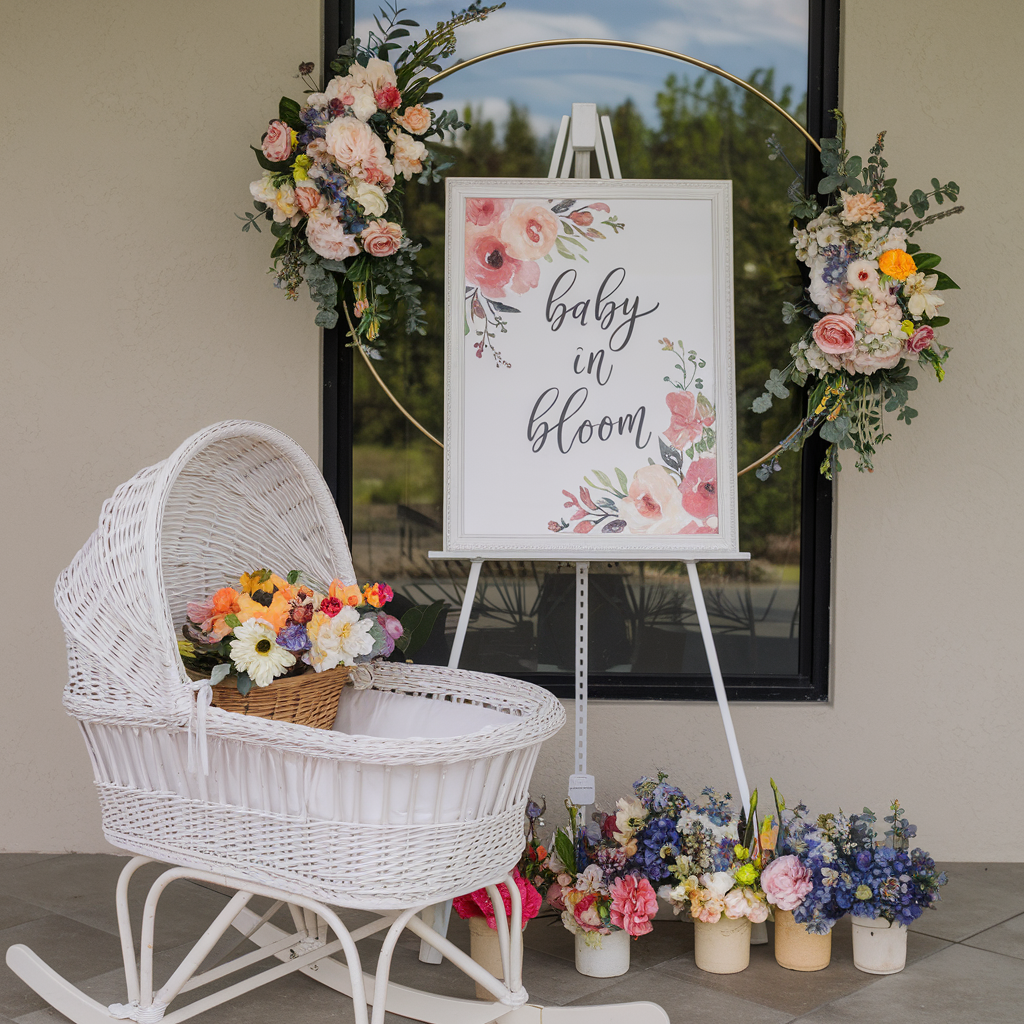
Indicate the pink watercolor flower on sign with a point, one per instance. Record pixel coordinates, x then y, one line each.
688 419
529 230
699 488
489 265
653 504
486 211
786 882
634 903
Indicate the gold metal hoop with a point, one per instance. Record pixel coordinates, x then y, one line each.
643 48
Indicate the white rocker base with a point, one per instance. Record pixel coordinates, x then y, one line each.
307 950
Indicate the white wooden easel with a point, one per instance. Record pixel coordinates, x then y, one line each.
578 137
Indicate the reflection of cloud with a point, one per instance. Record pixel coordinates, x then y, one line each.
732 23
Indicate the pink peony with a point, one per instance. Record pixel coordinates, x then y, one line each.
530 229
328 238
277 145
354 145
486 211
700 488
381 238
836 333
478 903
488 263
920 339
786 882
634 903
688 420
653 504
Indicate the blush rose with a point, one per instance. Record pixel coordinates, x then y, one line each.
786 882
920 339
277 145
381 238
835 333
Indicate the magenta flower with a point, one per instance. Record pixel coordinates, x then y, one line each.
478 903
634 903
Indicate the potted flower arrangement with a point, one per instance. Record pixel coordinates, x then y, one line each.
476 907
887 885
604 897
873 302
715 861
282 647
334 168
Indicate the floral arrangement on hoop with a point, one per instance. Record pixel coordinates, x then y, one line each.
334 169
872 300
598 890
275 626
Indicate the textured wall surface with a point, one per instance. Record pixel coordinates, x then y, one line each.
927 679
133 311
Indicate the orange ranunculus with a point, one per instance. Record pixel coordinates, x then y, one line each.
276 614
225 601
897 264
350 595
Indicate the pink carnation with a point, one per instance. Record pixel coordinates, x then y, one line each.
634 903
478 903
786 882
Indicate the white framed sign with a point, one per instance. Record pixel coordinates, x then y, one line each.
590 378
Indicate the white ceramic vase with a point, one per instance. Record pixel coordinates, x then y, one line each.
878 946
722 947
608 958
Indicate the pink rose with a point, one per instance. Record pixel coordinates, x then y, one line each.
700 488
486 211
920 339
554 896
390 625
488 263
307 195
634 903
381 238
835 333
530 229
380 174
277 144
328 238
415 120
387 98
688 421
786 882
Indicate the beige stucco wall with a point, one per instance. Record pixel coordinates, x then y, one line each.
134 312
927 677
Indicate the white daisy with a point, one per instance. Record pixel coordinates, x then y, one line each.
255 650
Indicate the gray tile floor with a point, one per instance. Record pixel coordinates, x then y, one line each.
965 959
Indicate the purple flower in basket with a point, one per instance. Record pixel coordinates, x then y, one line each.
294 638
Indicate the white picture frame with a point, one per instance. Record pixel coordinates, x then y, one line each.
560 316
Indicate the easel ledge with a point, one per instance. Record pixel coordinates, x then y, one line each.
588 556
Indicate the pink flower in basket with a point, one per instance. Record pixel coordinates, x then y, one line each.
634 903
478 903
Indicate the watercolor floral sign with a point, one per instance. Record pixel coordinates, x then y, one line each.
590 381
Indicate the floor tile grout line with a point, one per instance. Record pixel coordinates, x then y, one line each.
981 931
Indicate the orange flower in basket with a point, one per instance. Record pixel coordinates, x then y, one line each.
276 613
222 604
350 595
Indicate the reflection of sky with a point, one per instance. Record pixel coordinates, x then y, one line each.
736 35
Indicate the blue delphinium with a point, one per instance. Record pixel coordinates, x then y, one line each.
657 842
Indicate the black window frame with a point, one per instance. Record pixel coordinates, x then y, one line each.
811 681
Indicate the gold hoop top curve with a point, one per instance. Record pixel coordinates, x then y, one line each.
643 47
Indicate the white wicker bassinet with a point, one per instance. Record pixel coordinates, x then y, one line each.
373 821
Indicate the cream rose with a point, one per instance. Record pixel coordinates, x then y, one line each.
529 231
328 238
381 238
377 74
408 153
415 120
353 144
369 197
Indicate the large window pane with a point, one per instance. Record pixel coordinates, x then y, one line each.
670 121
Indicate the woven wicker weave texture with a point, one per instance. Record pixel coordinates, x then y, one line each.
355 820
